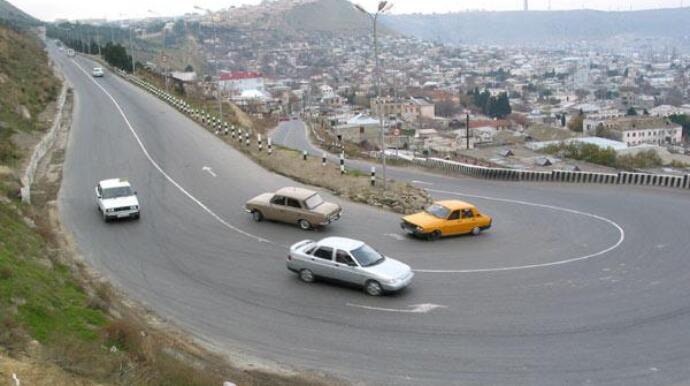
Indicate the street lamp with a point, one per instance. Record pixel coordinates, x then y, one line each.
383 7
215 57
163 59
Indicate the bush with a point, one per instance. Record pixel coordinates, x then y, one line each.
642 160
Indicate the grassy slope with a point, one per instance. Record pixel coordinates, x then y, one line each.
27 81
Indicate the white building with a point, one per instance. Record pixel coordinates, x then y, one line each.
645 130
237 82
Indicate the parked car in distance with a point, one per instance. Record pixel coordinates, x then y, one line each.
116 199
446 218
348 261
291 205
97 72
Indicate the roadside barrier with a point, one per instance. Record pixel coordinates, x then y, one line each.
373 175
505 174
342 163
42 148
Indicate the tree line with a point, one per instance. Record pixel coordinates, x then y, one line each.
493 106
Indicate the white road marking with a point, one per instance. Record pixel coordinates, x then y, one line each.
209 170
396 236
422 182
166 175
531 266
413 308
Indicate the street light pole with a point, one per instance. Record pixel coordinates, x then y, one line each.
215 58
382 7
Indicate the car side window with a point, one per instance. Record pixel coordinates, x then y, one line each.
324 253
343 257
278 200
455 215
291 202
467 213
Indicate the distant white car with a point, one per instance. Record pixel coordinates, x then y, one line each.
116 199
97 72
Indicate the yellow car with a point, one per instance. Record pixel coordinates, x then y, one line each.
446 218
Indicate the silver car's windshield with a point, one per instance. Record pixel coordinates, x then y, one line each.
437 210
122 191
313 201
367 256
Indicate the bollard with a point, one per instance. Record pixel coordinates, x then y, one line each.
304 155
323 159
246 137
225 131
232 131
216 128
373 175
342 163
258 139
270 148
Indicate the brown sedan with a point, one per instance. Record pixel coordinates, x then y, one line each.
299 206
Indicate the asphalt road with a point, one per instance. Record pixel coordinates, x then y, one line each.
574 284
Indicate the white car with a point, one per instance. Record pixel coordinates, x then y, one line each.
348 261
116 199
97 72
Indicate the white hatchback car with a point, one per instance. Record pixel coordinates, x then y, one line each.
116 199
348 261
98 72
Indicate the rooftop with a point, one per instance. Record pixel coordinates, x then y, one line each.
293 192
114 183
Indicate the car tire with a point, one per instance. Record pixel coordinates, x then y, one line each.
257 216
304 225
433 236
476 231
373 288
307 276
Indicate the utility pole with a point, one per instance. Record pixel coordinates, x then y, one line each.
468 131
131 47
215 57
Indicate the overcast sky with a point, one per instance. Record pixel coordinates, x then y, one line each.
81 9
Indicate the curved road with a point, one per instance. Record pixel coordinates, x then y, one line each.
573 285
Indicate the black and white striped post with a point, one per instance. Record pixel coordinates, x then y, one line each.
216 127
304 155
342 163
246 138
226 129
232 132
373 175
270 146
258 139
323 159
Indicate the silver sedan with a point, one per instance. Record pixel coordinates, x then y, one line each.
348 261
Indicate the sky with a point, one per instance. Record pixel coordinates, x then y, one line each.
50 10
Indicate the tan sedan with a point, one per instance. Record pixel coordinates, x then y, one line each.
299 206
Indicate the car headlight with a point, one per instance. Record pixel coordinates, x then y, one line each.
110 210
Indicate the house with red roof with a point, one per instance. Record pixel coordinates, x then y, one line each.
238 82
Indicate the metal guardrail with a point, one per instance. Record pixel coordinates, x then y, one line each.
620 178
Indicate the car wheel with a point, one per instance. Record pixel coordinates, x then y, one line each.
435 235
304 224
476 231
257 216
373 288
307 276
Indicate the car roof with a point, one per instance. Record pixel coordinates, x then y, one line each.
343 243
114 183
293 192
455 204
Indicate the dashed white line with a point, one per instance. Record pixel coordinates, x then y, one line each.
166 175
531 266
413 309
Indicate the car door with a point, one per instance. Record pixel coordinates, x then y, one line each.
454 224
276 207
346 268
467 220
293 211
321 262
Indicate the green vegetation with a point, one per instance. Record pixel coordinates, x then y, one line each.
493 106
27 85
605 157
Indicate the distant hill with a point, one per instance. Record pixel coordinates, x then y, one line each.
327 16
534 27
9 14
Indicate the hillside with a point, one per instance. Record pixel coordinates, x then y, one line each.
327 16
9 14
27 85
534 27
